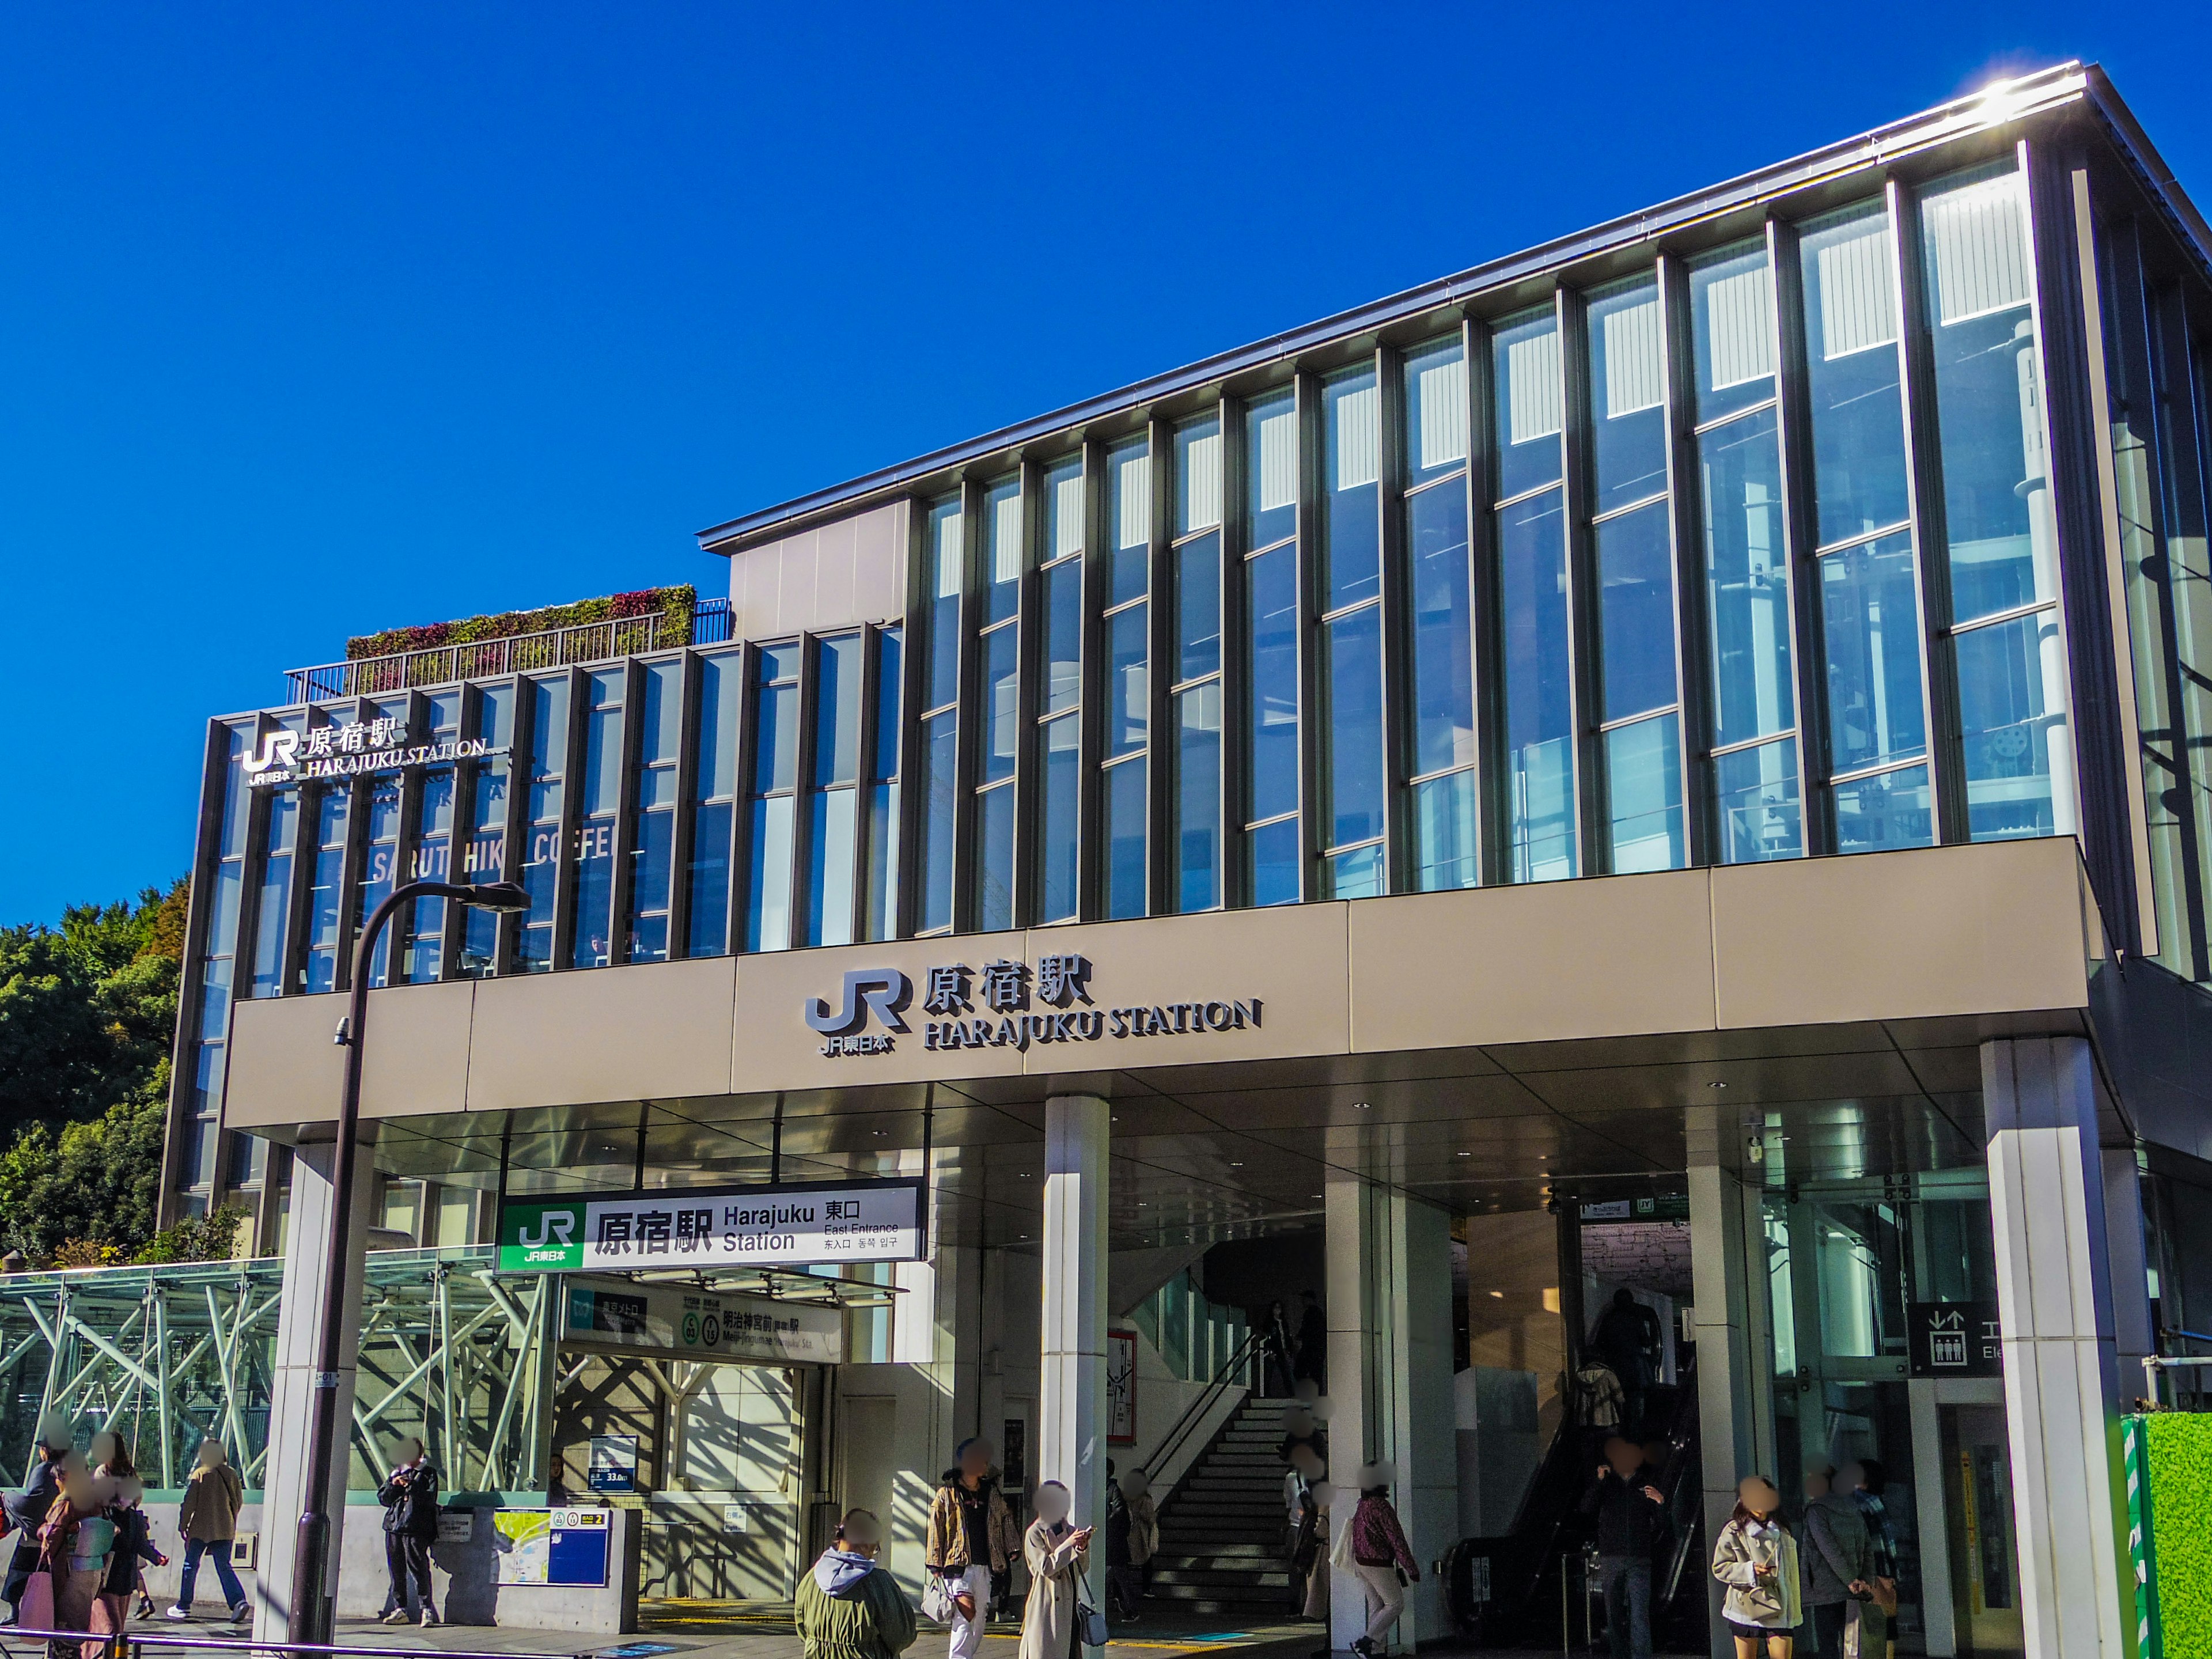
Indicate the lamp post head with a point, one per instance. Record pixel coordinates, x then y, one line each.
500 895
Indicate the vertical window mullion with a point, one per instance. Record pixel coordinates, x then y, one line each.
622 889
1693 646
1028 784
2183 502
1160 611
914 763
1091 783
685 831
507 941
1793 417
400 932
1235 655
461 832
1493 856
572 818
1591 810
803 900
1313 838
864 826
1397 627
357 854
968 730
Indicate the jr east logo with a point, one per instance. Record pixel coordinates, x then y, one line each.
884 992
551 1237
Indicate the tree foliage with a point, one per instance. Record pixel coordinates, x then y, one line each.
88 1015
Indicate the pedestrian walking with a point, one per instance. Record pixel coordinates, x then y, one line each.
1120 1600
971 1536
410 1496
74 1542
207 1520
1757 1558
1143 1526
848 1607
1837 1562
1867 1480
27 1510
134 1547
1317 1566
1373 1545
1057 1555
1629 1339
1277 1354
1631 1518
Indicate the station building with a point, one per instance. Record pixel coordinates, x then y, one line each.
1674 761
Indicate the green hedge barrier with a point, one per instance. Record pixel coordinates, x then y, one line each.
2169 1465
675 604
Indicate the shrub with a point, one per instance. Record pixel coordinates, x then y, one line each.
210 1237
674 604
2179 1454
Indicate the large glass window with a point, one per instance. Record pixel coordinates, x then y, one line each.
1129 711
1440 605
1628 394
940 714
1353 753
381 872
832 799
881 921
653 829
1532 551
1196 693
999 653
720 700
548 762
591 940
484 859
1273 861
774 805
217 964
1999 522
332 806
1060 590
431 859
1746 552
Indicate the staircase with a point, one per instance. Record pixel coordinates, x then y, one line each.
1221 1530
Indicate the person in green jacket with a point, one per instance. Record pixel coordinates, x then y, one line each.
848 1607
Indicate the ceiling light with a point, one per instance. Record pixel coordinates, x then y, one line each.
1717 1085
1363 1106
1467 1154
1235 1163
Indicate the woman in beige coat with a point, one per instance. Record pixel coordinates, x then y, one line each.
1057 1555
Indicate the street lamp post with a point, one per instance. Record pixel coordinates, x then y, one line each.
312 1604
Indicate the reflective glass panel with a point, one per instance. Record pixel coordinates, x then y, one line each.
2012 721
1198 475
940 785
1525 369
1888 809
1351 488
1198 797
946 552
1002 550
718 690
775 721
883 861
1063 636
1989 394
994 859
1851 372
1128 520
332 806
768 893
1643 794
1198 606
1125 839
1057 889
1272 860
1128 705
1444 628
1732 330
829 867
1001 700
1351 767
1436 410
1538 688
1063 504
1443 833
710 879
1271 600
275 909
1760 814
1271 467
648 937
1628 394
1870 619
837 709
1355 874
1635 612
1747 580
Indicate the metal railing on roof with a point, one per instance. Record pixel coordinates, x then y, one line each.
450 664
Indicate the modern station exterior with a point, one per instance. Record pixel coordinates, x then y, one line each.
1706 717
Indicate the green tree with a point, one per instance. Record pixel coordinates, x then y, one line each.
88 1015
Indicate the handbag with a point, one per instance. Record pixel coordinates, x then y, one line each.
1089 1620
937 1600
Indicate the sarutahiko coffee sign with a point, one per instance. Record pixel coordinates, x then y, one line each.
348 750
1005 1004
711 1227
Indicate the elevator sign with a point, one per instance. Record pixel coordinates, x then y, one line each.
707 1228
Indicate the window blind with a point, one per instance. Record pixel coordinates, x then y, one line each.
1979 255
1858 299
1440 394
948 557
1740 327
1532 387
1358 437
1006 538
1635 359
1279 457
1067 516
1134 482
1201 483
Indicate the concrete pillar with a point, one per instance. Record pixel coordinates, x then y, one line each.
291 1389
2132 1339
1729 1316
932 1326
1388 1283
2054 1298
1071 1350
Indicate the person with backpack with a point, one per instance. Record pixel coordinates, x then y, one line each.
410 1496
207 1520
848 1607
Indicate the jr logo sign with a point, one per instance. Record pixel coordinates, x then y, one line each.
541 1236
883 992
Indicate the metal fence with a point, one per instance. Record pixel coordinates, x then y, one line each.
449 664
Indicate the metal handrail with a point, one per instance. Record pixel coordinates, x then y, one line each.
1172 1441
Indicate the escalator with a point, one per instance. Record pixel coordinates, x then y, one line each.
1518 1590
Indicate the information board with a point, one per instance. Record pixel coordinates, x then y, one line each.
553 1546
695 1324
790 1226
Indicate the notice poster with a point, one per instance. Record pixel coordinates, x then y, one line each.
552 1547
1121 1388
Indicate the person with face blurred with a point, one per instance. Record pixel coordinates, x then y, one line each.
1757 1558
848 1607
1144 1526
1866 1480
410 1496
1837 1562
134 1545
1057 1554
27 1509
74 1542
1380 1556
1309 1537
971 1537
1631 1519
207 1521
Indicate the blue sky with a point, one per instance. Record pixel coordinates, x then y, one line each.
317 319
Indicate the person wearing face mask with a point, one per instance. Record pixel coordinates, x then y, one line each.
207 1520
1057 1555
410 1496
971 1537
848 1607
1631 1519
1757 1558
